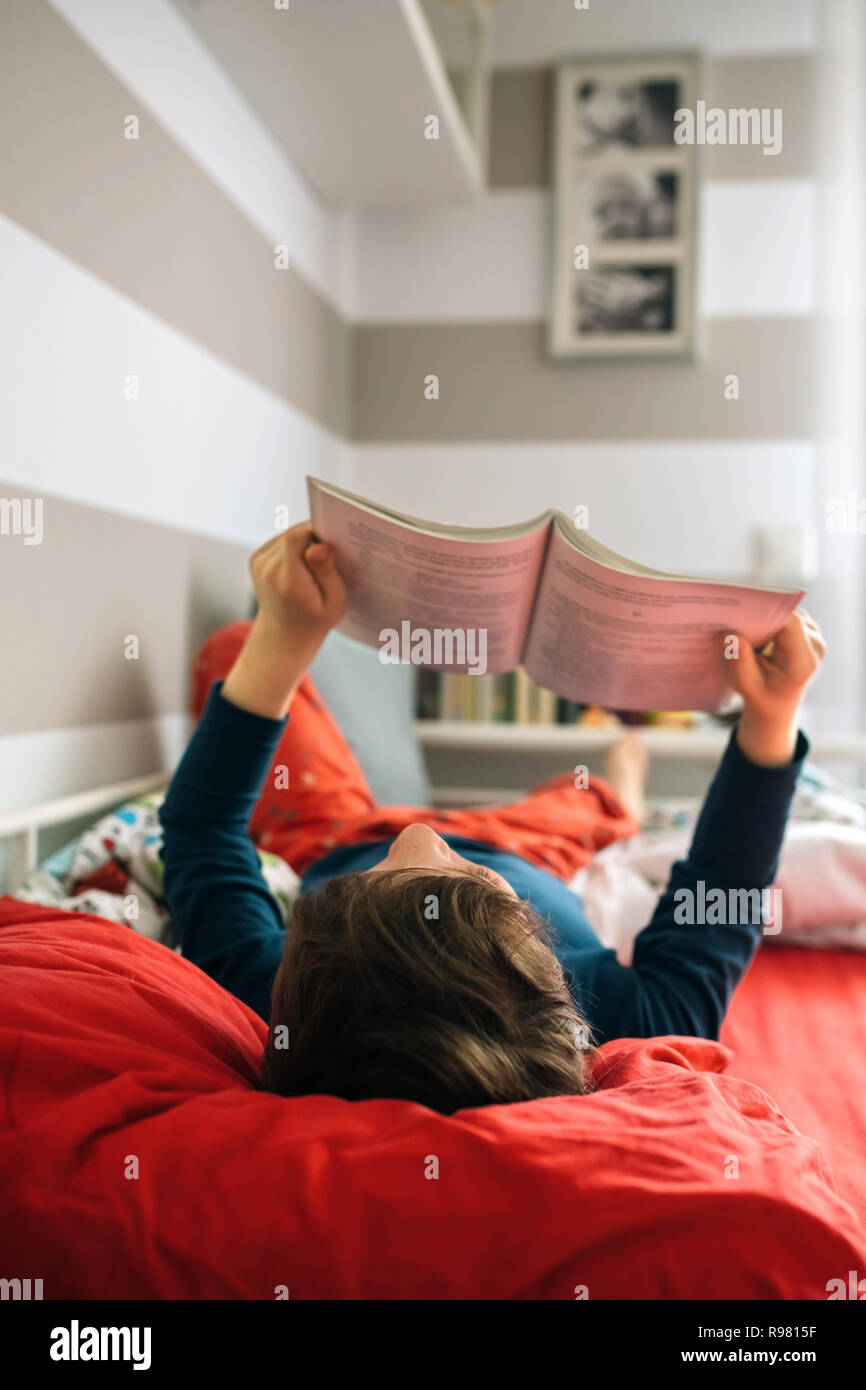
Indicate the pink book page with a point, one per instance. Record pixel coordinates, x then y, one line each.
626 641
396 574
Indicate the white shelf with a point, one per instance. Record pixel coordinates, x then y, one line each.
553 738
347 89
694 744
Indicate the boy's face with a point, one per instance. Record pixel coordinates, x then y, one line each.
419 847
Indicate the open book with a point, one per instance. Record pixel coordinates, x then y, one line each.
584 622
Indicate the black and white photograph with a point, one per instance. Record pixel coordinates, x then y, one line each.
624 209
626 299
630 114
623 205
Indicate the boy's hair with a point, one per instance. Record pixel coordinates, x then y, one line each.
434 988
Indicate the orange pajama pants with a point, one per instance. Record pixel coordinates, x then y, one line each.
328 803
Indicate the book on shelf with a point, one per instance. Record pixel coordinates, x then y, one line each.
585 624
509 698
512 698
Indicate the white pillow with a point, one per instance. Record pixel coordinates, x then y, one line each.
822 878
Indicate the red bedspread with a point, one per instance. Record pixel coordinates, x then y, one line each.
798 1030
138 1159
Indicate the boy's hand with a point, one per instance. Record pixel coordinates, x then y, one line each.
771 682
299 592
301 597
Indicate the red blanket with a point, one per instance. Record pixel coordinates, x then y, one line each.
138 1158
798 1029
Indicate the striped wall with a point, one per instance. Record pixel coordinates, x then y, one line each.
164 386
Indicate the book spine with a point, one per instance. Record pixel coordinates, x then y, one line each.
428 694
449 698
485 690
568 711
546 707
522 694
504 707
470 696
459 698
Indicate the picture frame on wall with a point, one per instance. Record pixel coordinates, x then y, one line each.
624 209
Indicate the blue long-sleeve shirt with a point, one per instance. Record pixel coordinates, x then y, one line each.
682 975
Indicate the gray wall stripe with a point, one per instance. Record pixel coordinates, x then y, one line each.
520 120
496 382
67 604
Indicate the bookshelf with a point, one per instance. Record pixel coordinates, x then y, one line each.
695 743
475 763
553 738
487 739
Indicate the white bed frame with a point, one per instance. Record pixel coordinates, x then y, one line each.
20 829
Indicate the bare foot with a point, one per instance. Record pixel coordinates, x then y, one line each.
626 769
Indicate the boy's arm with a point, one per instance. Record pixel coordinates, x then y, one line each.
685 968
226 919
224 914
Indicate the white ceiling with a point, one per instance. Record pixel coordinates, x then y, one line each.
529 32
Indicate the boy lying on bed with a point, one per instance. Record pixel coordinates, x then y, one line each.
451 969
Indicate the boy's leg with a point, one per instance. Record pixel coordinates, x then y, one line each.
315 784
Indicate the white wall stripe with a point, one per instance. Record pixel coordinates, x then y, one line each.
489 261
528 33
482 261
203 448
57 762
756 248
692 505
149 46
